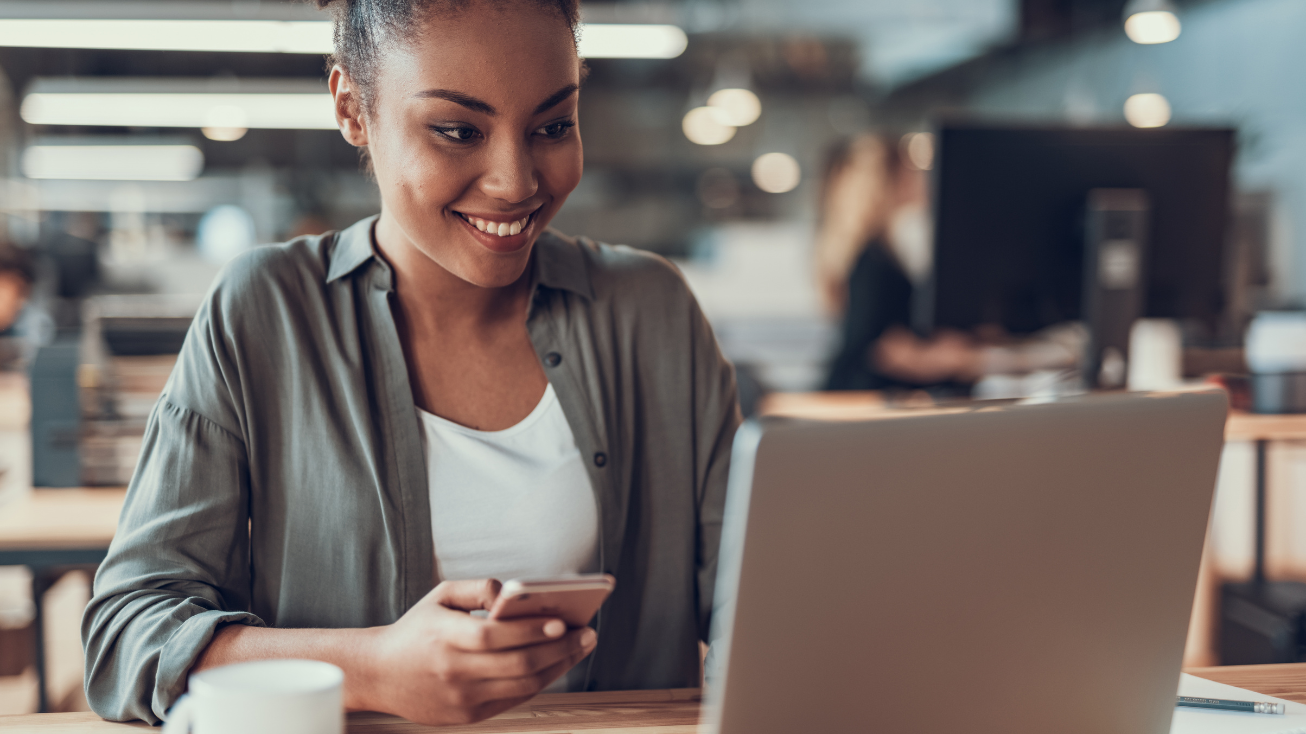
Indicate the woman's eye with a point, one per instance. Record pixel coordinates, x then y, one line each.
556 129
460 134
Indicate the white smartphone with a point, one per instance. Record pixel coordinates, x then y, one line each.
573 599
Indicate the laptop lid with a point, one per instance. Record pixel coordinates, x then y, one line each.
992 568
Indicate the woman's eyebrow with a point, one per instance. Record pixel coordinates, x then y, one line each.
556 97
472 103
466 100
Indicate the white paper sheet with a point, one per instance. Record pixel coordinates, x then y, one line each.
1202 721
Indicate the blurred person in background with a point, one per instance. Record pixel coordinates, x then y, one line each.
873 254
367 429
23 325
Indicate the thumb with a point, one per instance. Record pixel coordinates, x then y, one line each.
467 595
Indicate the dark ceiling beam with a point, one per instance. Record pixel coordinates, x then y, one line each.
1045 20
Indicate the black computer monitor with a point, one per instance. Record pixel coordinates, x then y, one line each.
1009 214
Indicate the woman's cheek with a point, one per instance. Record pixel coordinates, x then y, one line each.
565 167
429 179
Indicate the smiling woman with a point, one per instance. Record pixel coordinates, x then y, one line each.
442 395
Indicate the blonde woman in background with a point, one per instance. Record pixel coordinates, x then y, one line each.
872 253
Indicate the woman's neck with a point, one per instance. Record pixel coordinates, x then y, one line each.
427 290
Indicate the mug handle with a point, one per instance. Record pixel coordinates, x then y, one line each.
179 716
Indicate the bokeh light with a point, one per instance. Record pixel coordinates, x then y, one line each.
1154 26
225 123
776 173
1147 110
737 107
703 126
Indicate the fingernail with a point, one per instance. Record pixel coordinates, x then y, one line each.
588 638
554 628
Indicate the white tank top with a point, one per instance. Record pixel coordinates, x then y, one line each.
515 503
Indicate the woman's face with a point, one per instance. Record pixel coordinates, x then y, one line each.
473 136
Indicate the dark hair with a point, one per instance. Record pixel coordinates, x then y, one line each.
17 260
363 26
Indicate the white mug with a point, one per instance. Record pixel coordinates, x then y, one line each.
262 697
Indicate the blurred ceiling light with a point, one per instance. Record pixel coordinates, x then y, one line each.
113 162
735 107
265 35
776 173
1147 110
631 41
1151 21
1152 27
918 150
702 126
250 36
285 110
226 123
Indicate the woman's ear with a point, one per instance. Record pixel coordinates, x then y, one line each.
348 107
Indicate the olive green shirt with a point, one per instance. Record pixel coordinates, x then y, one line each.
283 483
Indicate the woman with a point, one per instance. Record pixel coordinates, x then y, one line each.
447 392
872 251
869 259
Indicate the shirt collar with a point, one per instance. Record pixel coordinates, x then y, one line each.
559 262
353 248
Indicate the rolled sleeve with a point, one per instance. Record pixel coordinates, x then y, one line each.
178 567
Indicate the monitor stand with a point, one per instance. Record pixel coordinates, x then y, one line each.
1115 252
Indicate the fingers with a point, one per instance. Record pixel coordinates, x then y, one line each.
467 595
468 633
504 693
527 661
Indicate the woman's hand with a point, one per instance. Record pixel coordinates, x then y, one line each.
440 665
949 355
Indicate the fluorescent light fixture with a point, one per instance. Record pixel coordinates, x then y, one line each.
251 36
124 162
631 41
131 27
196 103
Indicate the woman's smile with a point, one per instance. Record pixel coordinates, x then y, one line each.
501 232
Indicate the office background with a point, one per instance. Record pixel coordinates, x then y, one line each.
124 254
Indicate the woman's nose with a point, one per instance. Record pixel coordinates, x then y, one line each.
510 174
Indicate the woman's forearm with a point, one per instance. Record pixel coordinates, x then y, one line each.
349 649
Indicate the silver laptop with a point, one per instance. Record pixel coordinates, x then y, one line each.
1000 568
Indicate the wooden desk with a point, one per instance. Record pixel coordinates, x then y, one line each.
50 531
636 712
51 524
645 712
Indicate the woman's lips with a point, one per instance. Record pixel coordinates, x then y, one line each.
515 232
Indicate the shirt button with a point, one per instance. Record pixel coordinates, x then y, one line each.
553 359
600 459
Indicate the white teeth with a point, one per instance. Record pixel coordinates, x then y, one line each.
502 229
